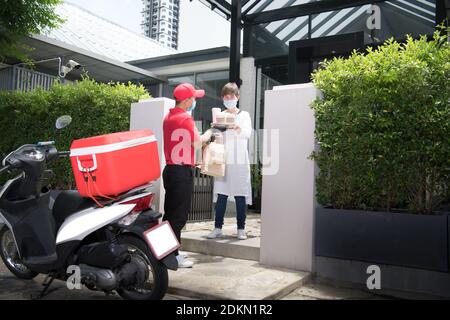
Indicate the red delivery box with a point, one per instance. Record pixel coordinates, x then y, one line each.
111 164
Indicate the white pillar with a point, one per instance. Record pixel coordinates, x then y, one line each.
248 87
149 114
288 195
247 100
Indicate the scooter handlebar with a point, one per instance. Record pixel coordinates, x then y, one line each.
63 153
5 168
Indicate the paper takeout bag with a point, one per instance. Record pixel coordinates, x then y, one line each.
214 159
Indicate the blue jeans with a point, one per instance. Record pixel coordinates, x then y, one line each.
221 205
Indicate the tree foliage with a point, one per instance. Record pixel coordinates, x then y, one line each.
20 18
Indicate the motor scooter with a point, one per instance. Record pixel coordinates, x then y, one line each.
115 245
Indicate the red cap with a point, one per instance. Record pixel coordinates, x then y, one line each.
185 91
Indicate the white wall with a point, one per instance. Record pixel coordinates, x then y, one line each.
288 196
149 114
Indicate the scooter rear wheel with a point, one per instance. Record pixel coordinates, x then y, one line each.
153 289
10 256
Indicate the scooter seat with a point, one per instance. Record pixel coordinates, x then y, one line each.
67 203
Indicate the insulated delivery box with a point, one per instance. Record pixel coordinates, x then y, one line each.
111 164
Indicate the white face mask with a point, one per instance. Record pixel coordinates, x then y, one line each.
230 104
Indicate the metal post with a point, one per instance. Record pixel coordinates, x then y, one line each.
441 11
235 42
309 26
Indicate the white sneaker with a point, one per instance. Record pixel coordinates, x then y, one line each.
183 262
241 234
216 233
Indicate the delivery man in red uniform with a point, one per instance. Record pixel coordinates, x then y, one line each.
181 138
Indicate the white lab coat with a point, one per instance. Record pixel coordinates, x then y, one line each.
237 181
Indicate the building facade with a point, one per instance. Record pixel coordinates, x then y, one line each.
160 21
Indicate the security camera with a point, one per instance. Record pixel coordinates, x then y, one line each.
64 71
70 65
73 64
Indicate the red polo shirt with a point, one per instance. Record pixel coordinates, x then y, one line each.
179 133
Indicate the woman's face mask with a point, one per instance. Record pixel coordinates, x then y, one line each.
230 104
230 101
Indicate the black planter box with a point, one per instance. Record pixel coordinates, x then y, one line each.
409 240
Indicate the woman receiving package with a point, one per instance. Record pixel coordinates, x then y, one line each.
235 185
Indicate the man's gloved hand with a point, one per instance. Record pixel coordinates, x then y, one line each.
207 135
219 127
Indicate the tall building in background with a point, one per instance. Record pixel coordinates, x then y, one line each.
161 21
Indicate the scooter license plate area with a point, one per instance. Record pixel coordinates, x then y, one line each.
161 240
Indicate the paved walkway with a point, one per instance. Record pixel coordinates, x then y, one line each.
211 278
318 291
12 288
215 277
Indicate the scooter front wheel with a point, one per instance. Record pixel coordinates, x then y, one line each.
10 256
155 286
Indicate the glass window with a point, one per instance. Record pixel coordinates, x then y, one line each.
212 83
174 81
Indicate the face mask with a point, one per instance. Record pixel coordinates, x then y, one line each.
191 109
230 104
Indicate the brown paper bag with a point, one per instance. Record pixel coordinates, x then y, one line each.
214 159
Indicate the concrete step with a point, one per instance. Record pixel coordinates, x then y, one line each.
226 246
221 278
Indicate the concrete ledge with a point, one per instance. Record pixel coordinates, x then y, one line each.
225 246
396 281
220 278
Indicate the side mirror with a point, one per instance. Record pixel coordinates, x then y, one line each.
63 121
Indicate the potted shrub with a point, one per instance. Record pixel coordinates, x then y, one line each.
383 127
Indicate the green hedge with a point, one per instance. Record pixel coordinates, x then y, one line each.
384 127
29 117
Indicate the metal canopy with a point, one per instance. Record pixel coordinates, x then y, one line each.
263 11
331 22
281 21
100 68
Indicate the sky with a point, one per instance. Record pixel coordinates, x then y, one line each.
200 28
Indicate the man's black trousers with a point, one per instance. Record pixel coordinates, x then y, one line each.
178 183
